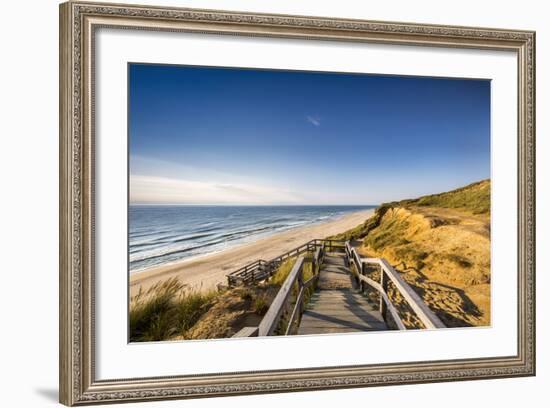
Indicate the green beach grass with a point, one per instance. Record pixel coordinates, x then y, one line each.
166 310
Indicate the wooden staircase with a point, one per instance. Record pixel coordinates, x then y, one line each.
337 306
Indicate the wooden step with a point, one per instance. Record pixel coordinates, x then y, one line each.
340 321
334 322
363 315
336 307
349 303
334 260
327 330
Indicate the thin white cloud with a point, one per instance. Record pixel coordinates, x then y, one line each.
153 189
314 120
179 170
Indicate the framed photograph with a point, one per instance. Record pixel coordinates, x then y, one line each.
256 203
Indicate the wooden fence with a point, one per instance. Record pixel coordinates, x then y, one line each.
261 270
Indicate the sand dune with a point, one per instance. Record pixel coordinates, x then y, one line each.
207 271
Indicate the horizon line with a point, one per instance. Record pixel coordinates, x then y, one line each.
255 205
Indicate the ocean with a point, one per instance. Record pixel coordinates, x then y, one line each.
163 234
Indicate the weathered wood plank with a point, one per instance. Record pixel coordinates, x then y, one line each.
364 312
361 326
247 332
337 306
359 313
331 296
339 321
326 330
340 308
344 301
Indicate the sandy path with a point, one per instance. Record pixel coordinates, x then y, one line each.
207 271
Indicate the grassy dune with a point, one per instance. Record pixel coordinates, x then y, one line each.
441 245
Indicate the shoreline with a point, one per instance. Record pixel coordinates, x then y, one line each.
244 242
204 272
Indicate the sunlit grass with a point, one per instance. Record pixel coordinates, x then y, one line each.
166 309
475 198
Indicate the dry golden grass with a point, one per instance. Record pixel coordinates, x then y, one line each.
233 310
165 310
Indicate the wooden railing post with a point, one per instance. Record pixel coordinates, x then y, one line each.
384 284
362 272
300 287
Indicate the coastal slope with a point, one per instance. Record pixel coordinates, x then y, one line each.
441 246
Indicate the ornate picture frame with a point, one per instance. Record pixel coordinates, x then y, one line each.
78 24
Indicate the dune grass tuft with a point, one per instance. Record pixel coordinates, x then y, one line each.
285 268
261 305
166 309
282 272
389 233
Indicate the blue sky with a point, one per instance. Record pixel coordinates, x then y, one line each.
202 135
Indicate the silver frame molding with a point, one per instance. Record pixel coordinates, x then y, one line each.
78 21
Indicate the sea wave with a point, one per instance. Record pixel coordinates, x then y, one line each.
164 234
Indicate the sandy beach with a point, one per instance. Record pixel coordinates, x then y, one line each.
205 272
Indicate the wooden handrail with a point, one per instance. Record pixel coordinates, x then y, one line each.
387 301
385 304
272 318
299 304
424 314
318 259
422 311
